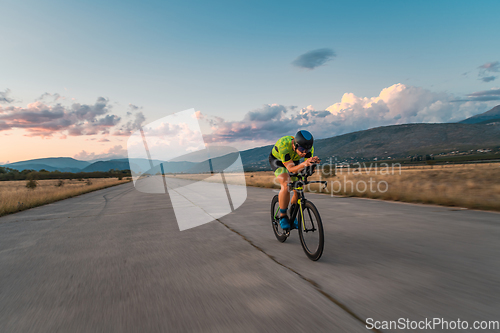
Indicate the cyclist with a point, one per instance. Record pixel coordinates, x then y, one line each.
284 158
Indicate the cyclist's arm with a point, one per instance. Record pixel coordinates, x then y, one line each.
310 156
291 167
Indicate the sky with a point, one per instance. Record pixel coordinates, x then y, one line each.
78 78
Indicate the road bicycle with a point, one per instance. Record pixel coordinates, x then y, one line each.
311 233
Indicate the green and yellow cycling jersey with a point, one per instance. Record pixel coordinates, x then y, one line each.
284 152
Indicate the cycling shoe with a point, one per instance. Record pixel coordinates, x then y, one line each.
284 223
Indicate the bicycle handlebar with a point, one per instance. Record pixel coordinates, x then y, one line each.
306 172
309 171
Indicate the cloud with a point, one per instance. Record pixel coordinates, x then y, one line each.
482 96
131 125
50 97
40 119
134 107
491 66
315 58
266 113
488 78
112 153
4 97
198 115
488 68
397 104
491 92
90 112
259 124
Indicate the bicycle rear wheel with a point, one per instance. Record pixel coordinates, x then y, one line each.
311 233
275 220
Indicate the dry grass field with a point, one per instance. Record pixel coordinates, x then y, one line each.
15 196
475 186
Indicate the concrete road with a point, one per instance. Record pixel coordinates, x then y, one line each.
387 260
115 261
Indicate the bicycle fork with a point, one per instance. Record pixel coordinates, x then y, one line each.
302 224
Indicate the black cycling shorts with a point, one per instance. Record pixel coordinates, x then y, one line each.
276 164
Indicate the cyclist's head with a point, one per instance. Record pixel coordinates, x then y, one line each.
303 141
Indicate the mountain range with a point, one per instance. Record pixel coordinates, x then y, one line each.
63 164
488 117
395 141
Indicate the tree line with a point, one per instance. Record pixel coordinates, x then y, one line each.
27 174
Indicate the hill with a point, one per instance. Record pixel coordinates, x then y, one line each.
38 167
410 139
107 165
396 141
50 164
484 118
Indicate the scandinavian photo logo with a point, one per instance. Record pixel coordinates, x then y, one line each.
203 182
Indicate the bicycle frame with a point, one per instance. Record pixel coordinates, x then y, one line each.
298 185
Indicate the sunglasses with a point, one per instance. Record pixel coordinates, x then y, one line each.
302 149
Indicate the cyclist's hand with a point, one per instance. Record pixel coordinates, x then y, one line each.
307 162
314 159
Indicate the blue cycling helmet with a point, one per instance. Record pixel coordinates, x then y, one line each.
304 139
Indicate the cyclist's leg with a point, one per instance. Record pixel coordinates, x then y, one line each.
284 195
295 194
281 173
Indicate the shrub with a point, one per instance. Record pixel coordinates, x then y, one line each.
60 183
89 182
431 163
31 184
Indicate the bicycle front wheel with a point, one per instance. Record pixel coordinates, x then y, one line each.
275 220
311 233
